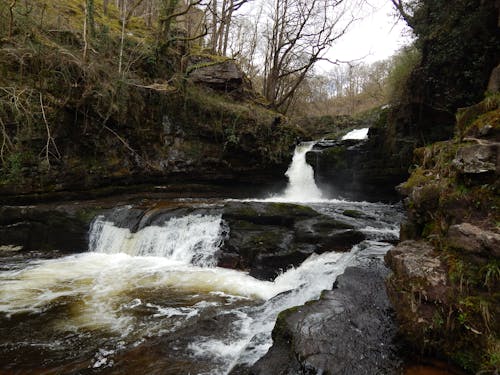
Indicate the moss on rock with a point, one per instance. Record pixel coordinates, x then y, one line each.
461 325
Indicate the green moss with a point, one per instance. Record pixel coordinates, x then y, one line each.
208 60
464 328
335 156
491 363
473 117
466 360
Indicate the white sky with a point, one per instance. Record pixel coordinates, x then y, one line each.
374 37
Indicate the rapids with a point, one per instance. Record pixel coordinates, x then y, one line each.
160 286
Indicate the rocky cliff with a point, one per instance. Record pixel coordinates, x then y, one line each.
363 170
170 114
156 137
459 46
446 271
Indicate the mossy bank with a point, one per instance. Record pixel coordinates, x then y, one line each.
74 122
447 269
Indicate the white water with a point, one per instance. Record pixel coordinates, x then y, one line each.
133 286
188 239
301 185
107 286
357 134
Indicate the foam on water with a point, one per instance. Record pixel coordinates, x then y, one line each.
251 337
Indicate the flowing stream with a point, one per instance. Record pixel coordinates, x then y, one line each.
159 286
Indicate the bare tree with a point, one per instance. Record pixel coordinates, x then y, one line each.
222 17
243 42
125 17
406 9
298 34
105 6
170 10
11 17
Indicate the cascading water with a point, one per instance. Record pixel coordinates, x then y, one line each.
357 134
188 239
301 185
159 282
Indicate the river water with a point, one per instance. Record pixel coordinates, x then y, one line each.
156 296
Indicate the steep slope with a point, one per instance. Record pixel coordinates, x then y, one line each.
446 271
77 121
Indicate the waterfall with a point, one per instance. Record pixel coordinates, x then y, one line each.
301 185
357 134
191 239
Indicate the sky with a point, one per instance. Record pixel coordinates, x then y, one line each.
376 36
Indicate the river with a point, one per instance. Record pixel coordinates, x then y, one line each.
158 287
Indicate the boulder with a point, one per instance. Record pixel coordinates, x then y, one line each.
472 239
349 330
357 169
418 289
267 238
224 75
418 263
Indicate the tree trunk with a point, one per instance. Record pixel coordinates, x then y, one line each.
214 25
11 19
89 14
105 4
85 40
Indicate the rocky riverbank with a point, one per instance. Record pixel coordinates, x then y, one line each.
446 271
349 330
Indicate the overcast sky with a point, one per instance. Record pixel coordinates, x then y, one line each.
377 36
374 37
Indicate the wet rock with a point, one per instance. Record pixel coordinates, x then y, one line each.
266 238
34 228
356 170
475 240
349 330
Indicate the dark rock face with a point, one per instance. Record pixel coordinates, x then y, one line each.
358 170
34 228
349 330
198 137
265 238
